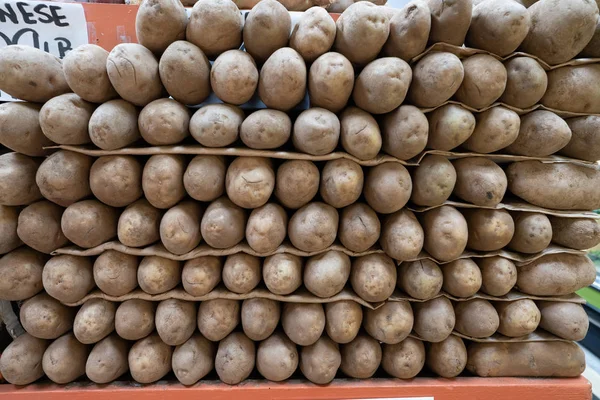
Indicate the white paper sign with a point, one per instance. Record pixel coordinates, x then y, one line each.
55 28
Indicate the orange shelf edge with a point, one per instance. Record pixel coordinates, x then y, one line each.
440 389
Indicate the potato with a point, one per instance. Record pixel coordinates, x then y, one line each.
476 318
533 233
462 278
9 217
436 77
297 182
158 274
21 362
282 81
495 129
266 30
164 121
498 275
85 72
313 227
518 318
159 23
282 273
241 272
194 359
67 278
266 129
149 359
359 227
572 187
556 359
260 317
360 135
450 21
489 230
479 181
403 360
498 26
138 225
116 180
433 181
526 82
64 360
277 357
583 144
592 49
46 318
341 182
201 275
362 30
326 274
31 74
115 273
388 187
162 180
303 323
63 177
391 323
434 319
134 319
404 132
175 321
316 131
361 357
402 236
204 178
39 227
580 79
114 125
94 321
65 119
542 133
451 125
320 361
330 81
234 77
89 223
447 358
576 233
250 181
133 72
218 318
556 275
382 85
446 233
344 319
20 128
107 360
409 32
314 34
179 227
373 277
566 320
266 228
421 279
235 358
223 224
215 26
571 26
17 180
185 72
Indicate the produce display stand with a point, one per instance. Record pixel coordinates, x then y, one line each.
111 24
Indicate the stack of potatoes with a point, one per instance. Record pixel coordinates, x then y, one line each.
335 197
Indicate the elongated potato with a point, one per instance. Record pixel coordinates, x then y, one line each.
297 182
282 81
434 319
450 126
164 121
360 134
179 227
517 318
149 359
194 359
326 274
344 319
139 224
330 81
94 321
526 82
388 187
266 129
447 358
479 181
303 323
314 34
116 180
266 29
359 227
578 79
218 318
462 278
215 26
115 273
282 273
159 23
446 233
134 319
583 144
566 320
64 360
436 78
21 131
404 132
31 74
68 278
489 230
46 318
277 357
234 77
65 119
18 184
409 31
433 181
476 318
373 277
162 180
9 220
157 274
223 224
21 362
320 361
556 186
576 233
361 357
266 228
313 227
241 272
201 275
495 129
39 227
204 178
533 233
260 317
341 182
85 72
542 133
420 279
250 181
235 358
107 360
316 131
175 321
498 275
484 81
556 359
63 178
450 21
403 360
402 236
391 323
89 223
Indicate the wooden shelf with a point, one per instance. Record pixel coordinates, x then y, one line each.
420 388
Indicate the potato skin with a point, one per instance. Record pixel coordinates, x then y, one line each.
68 278
115 273
234 77
526 82
235 358
361 357
541 134
409 31
433 181
360 134
404 132
572 187
133 72
436 78
64 360
572 26
116 180
9 220
498 275
584 140
31 74
282 81
489 230
330 81
282 273
484 81
149 359
303 323
518 318
20 128
580 79
576 233
391 323
316 131
420 279
39 227
373 277
462 278
447 358
139 224
175 321
434 319
277 357
194 359
495 129
223 224
260 317
314 34
215 26
533 233
185 72
201 275
446 233
566 320
21 362
403 360
18 185
479 181
134 319
46 318
157 274
108 360
320 361
556 359
114 125
476 318
266 29
556 275
85 72
359 227
402 235
159 23
204 178
326 274
162 180
79 217
218 318
266 129
179 227
297 182
449 126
